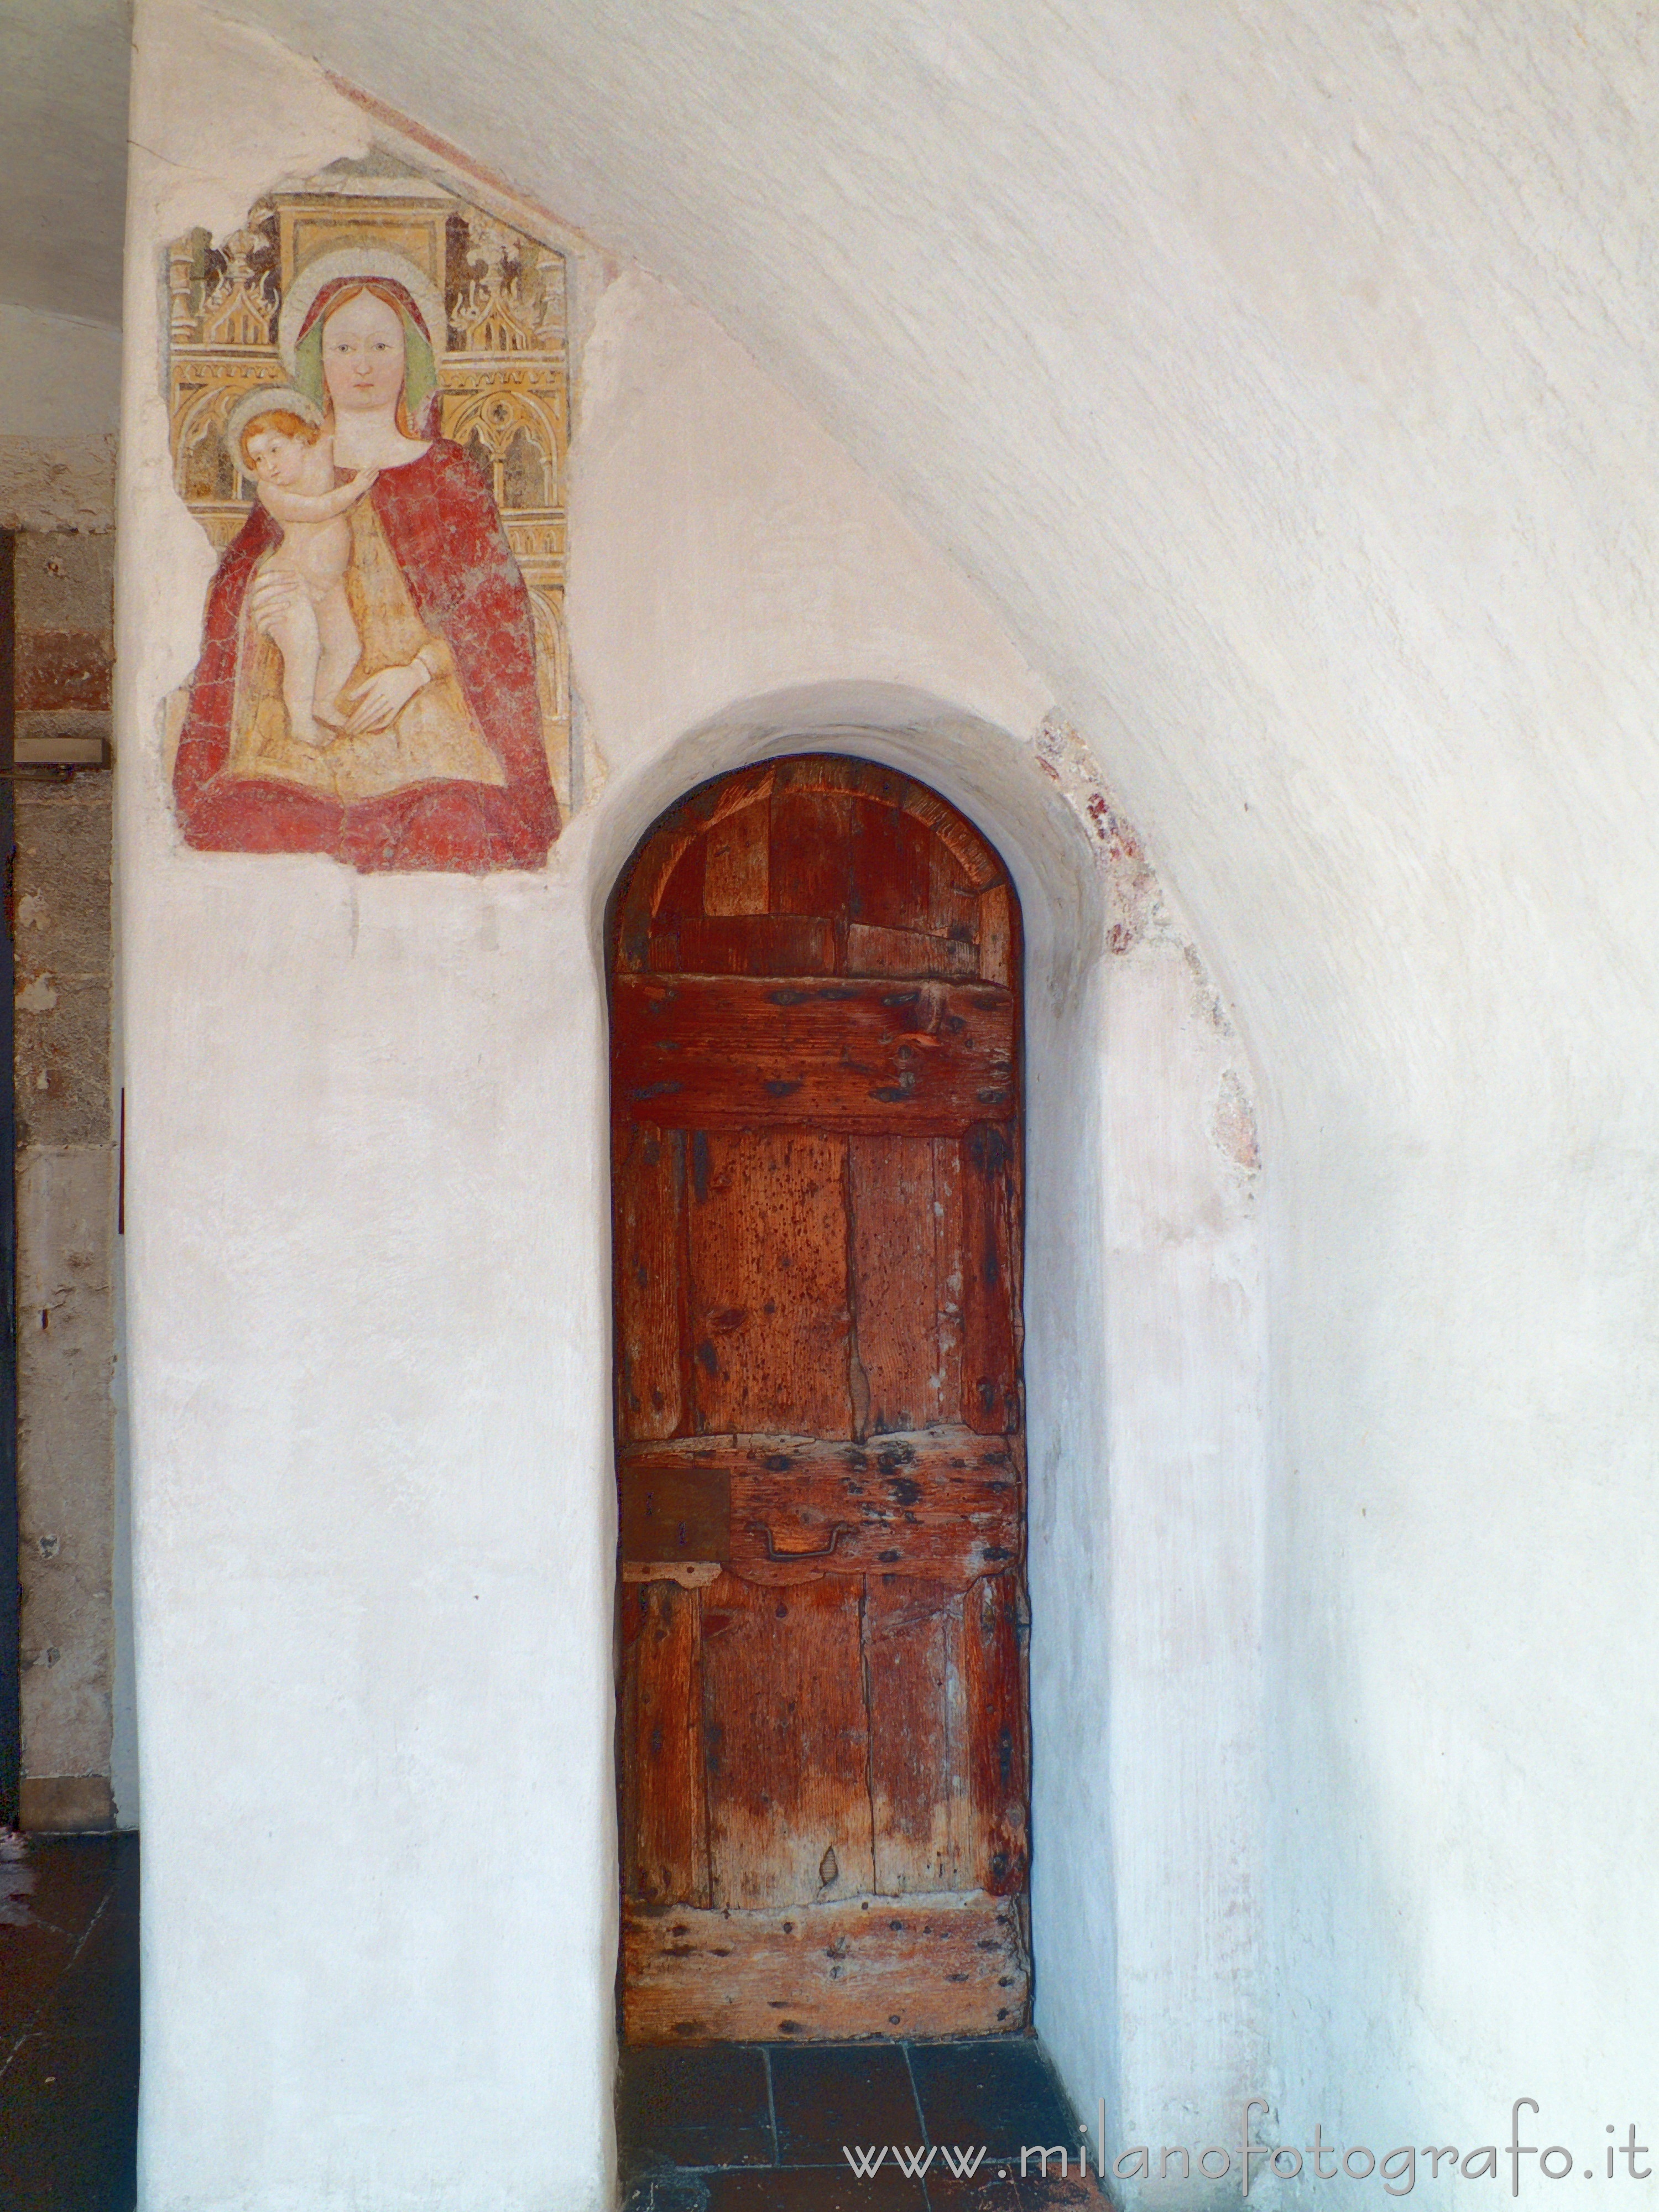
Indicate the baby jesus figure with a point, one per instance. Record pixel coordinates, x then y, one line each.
293 463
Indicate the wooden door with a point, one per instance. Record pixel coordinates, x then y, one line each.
816 1177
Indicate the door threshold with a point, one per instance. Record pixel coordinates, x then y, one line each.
861 2127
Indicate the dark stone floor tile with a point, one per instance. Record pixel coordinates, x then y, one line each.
664 2190
997 2188
707 2107
69 2094
814 2189
31 1963
999 2091
68 1881
96 2000
991 2187
1075 2195
828 2094
73 1876
69 2126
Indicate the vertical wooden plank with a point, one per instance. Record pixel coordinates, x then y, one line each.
11 1728
630 1619
895 1280
736 871
675 902
665 1834
786 1737
995 935
891 875
769 1318
993 1690
976 864
907 1630
643 890
680 893
990 1279
647 1185
948 1270
953 906
809 864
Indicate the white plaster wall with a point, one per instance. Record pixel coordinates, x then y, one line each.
60 375
726 545
64 156
1283 375
370 1308
368 1387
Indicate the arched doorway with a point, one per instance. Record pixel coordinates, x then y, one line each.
817 1162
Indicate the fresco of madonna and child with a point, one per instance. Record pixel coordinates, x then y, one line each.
367 685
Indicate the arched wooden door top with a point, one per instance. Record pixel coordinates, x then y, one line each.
816 1164
818 866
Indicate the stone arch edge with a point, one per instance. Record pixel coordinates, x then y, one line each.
1143 1513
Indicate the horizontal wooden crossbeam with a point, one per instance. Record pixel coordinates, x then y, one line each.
942 1505
736 1052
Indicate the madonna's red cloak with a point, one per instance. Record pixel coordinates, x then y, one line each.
446 535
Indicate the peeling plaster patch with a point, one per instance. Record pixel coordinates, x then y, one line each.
1138 914
37 996
1132 891
1232 1125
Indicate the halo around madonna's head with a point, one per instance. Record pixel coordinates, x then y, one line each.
359 261
269 399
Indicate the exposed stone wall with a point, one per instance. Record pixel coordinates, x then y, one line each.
66 1183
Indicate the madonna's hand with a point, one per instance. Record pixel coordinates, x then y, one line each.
382 698
272 595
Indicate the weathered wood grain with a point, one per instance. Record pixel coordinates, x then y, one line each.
990 1278
947 1504
678 893
664 878
648 1200
918 1779
675 1508
954 902
892 873
643 889
994 1698
810 856
665 1832
908 952
741 1052
996 936
765 1232
976 862
785 1732
895 1280
752 945
926 1966
736 876
948 1267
